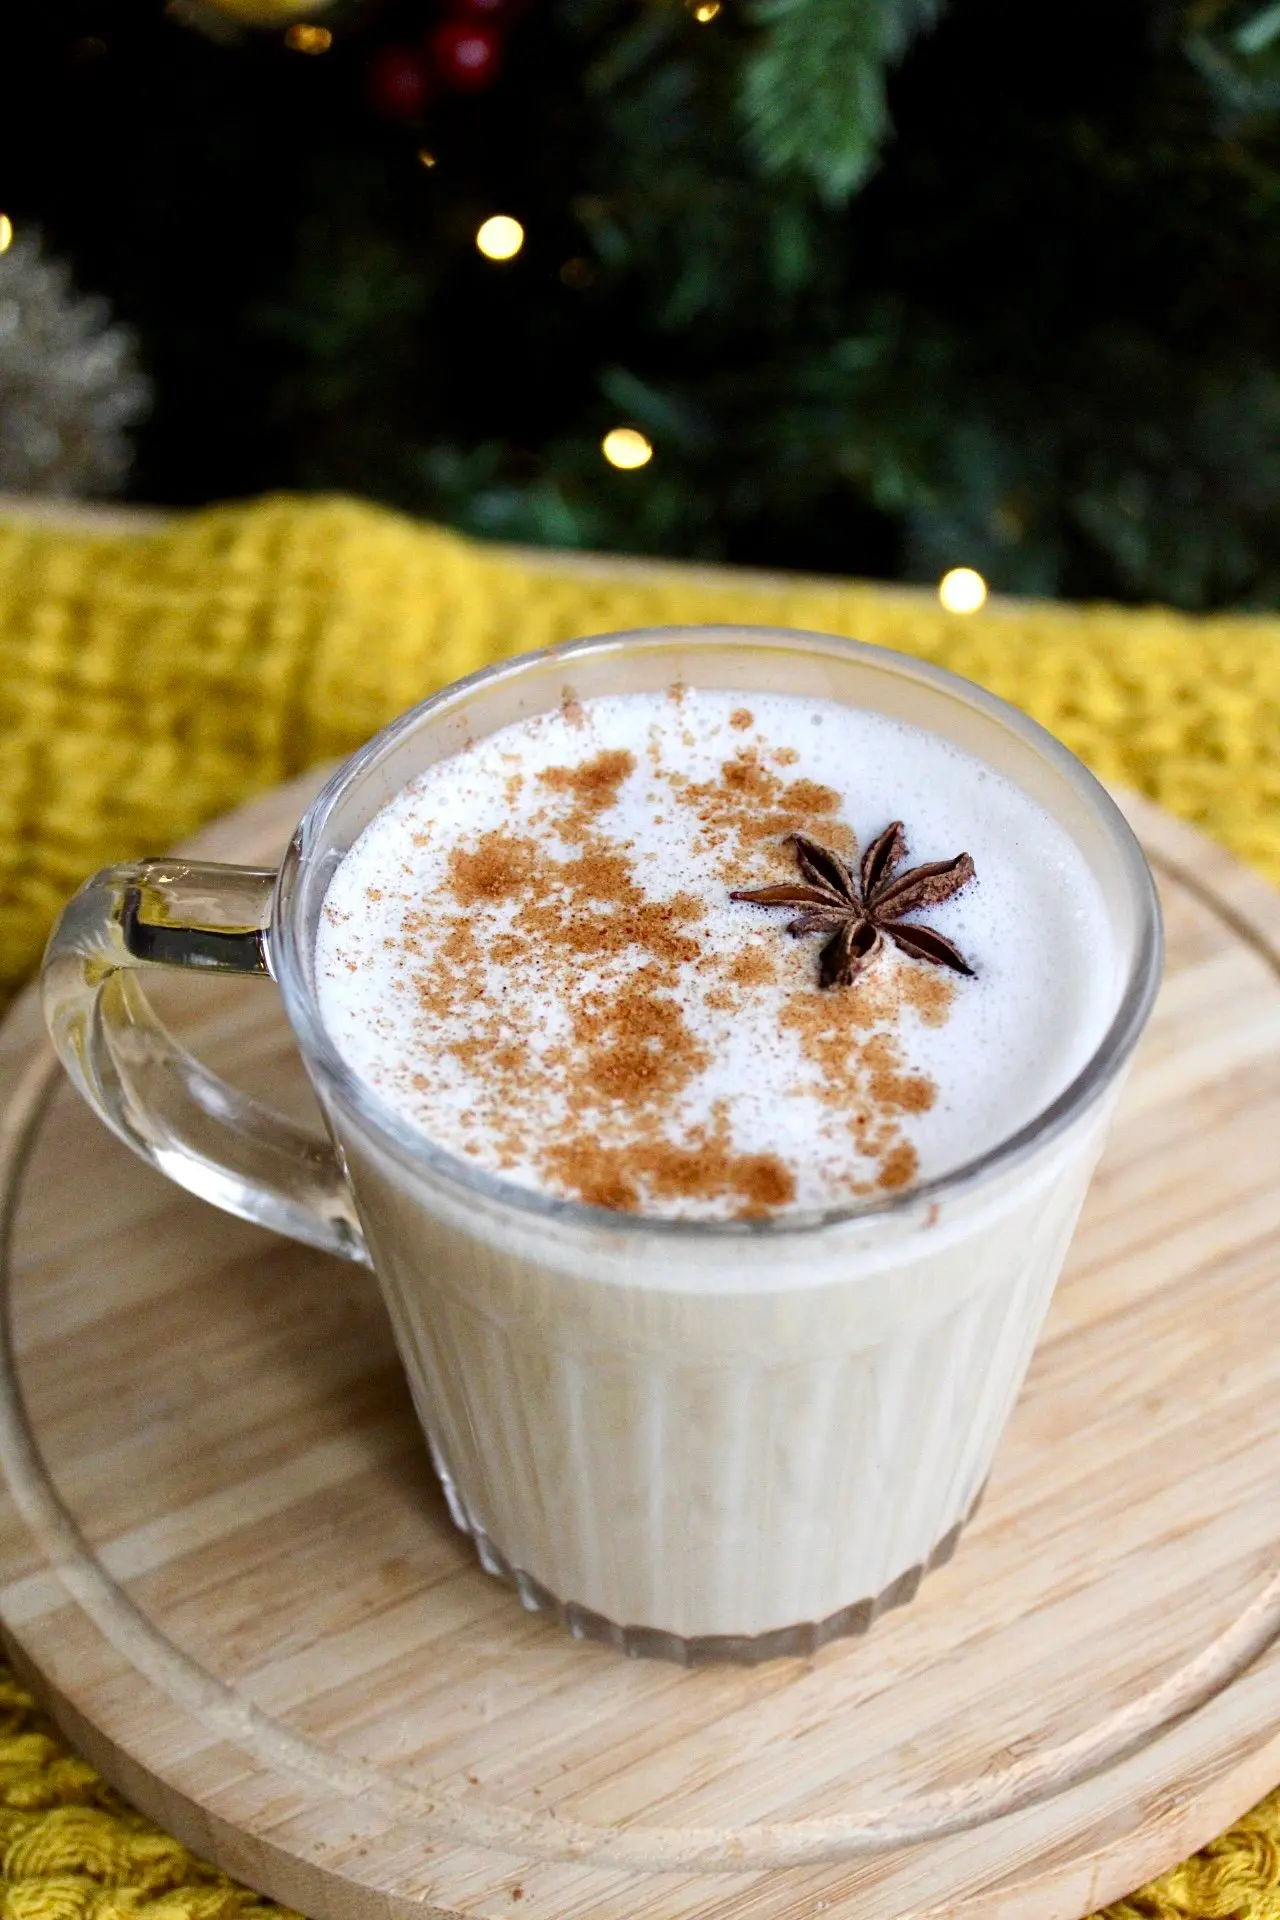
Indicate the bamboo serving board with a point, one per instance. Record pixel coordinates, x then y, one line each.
225 1563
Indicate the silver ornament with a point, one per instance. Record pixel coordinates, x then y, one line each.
70 384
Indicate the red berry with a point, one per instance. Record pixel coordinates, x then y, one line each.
398 80
467 56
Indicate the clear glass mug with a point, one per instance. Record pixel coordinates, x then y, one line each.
699 1440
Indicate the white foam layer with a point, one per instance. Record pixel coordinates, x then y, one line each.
423 1015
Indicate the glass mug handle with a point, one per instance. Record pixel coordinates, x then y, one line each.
160 1100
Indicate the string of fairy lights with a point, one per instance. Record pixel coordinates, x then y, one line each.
500 238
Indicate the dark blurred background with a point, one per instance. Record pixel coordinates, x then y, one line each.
886 286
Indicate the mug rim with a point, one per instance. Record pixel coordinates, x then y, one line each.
288 957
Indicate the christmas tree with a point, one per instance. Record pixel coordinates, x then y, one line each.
874 286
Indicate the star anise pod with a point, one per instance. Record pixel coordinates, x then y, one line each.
857 911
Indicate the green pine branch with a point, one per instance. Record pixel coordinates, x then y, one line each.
814 88
1234 46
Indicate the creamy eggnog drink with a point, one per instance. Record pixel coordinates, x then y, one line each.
716 1029
693 955
536 955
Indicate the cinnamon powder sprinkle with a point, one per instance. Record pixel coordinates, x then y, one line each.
899 1167
595 1103
571 710
862 1070
635 1043
594 785
618 1177
748 812
499 869
753 967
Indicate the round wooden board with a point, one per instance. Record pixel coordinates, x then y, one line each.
224 1561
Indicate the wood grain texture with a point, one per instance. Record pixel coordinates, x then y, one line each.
224 1561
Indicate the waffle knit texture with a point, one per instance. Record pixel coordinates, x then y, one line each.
151 681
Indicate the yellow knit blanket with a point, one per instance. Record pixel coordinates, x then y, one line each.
148 682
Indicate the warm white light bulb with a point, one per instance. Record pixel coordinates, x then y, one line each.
304 39
6 233
962 590
500 237
626 447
